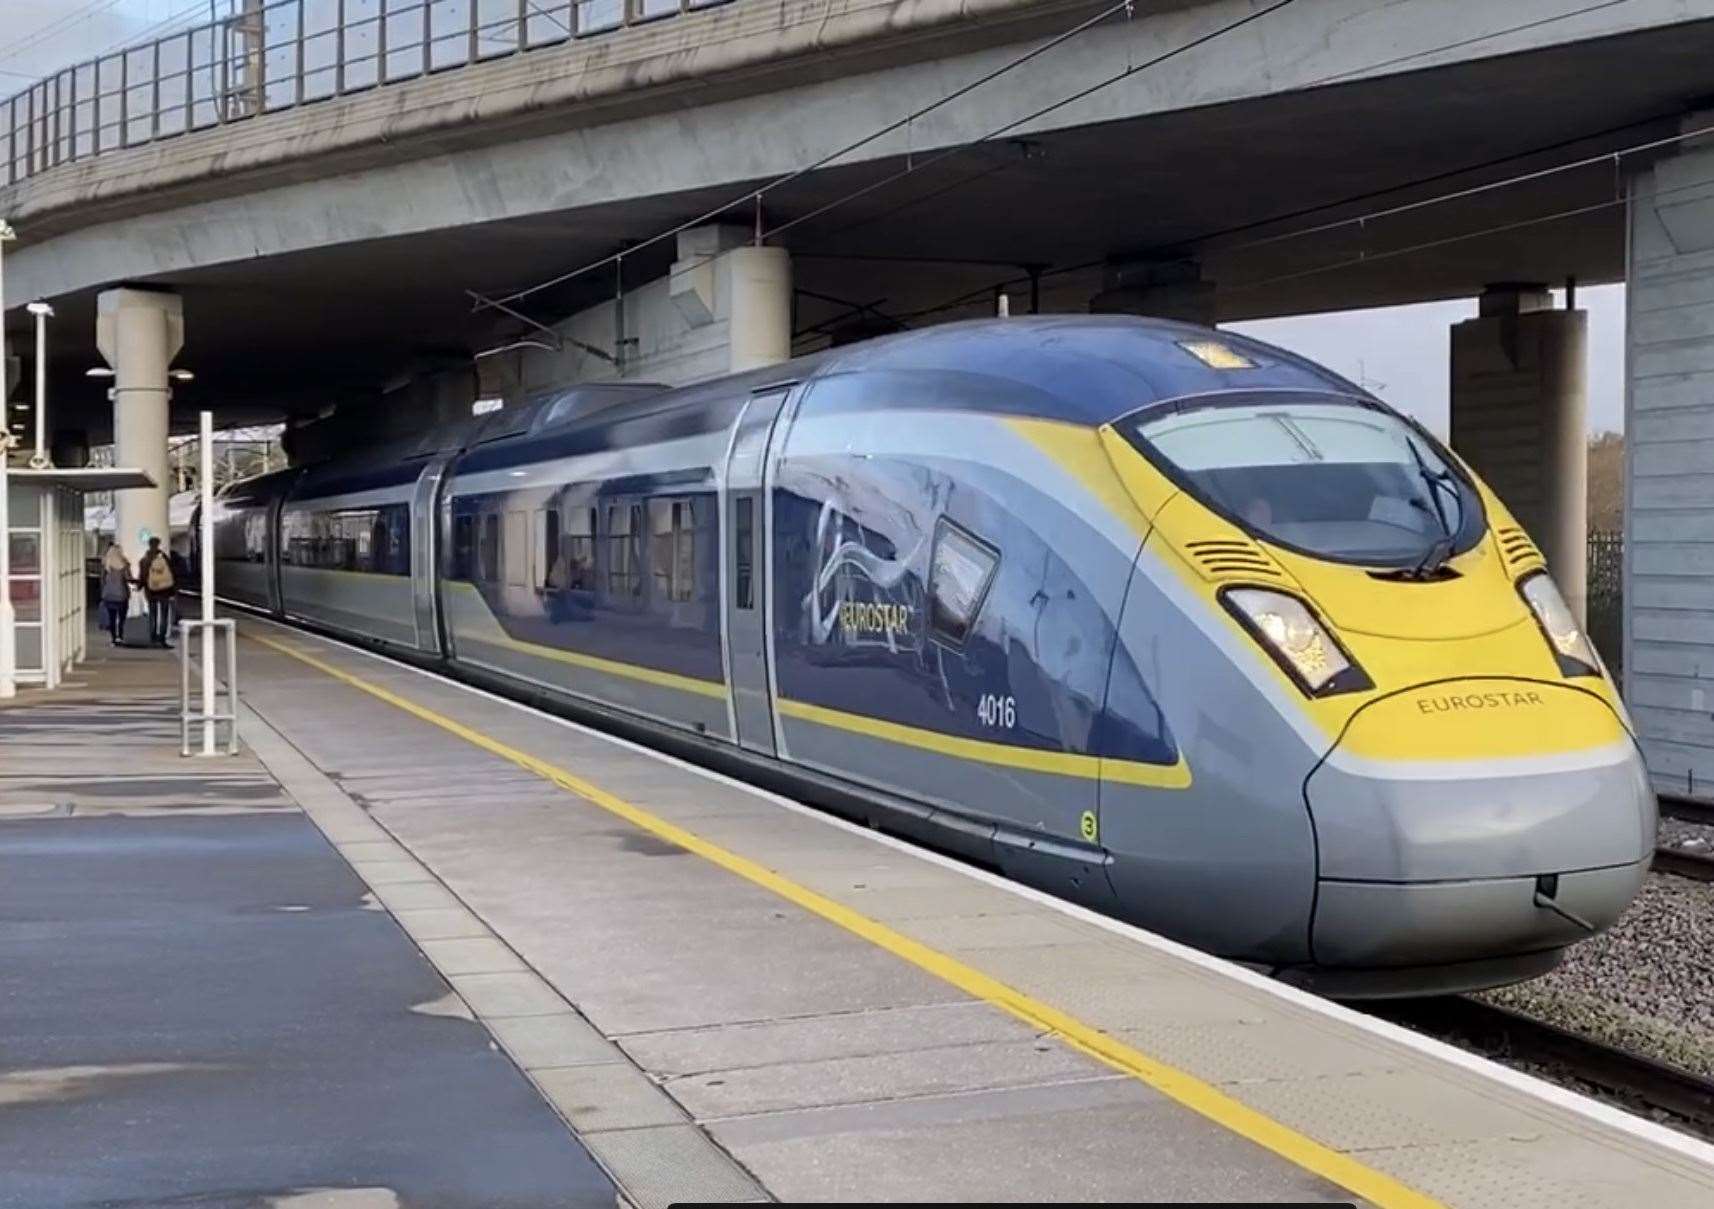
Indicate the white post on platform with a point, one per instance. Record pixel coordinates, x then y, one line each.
43 312
8 633
206 584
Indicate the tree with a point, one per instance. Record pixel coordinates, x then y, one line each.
1606 482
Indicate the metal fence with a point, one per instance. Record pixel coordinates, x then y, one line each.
1606 586
266 57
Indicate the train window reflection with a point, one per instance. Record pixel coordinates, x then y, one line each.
578 547
490 548
963 566
671 547
1327 476
463 534
546 549
624 577
517 548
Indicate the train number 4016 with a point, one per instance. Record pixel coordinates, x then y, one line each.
996 711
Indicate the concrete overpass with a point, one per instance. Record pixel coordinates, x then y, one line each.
325 247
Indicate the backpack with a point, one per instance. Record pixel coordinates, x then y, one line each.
160 576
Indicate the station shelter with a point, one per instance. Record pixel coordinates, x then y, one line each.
45 530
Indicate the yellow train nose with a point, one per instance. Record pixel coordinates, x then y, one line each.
1453 722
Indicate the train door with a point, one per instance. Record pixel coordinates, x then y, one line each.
424 553
745 558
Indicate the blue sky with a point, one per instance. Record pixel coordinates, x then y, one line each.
1399 352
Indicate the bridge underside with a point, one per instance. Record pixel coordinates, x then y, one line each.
1253 192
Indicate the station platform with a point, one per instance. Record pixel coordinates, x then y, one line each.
717 994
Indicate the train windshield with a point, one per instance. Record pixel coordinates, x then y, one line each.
1329 476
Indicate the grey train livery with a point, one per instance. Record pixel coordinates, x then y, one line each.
1165 621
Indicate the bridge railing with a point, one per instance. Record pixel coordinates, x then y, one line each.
278 55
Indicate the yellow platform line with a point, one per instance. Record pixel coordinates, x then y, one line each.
1355 1177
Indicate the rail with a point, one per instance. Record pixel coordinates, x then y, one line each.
270 57
1511 1035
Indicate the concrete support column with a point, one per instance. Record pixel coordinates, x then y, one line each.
1159 289
139 332
760 310
1519 417
1668 622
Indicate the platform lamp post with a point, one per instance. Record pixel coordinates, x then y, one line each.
8 632
43 312
205 578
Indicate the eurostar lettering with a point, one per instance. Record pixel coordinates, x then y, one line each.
860 617
1462 701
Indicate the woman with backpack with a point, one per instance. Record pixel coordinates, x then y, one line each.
115 592
155 575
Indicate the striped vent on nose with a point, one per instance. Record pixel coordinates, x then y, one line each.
1232 558
1517 549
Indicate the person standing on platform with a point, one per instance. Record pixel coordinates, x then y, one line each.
155 574
115 592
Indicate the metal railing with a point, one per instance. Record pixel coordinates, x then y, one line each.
1606 587
212 712
268 57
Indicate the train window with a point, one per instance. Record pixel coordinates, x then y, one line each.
578 547
490 548
624 576
463 535
399 534
961 570
672 549
256 536
1325 475
516 548
744 551
547 551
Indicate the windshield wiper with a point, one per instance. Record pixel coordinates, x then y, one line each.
1441 548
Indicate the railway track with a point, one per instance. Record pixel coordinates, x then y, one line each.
1694 865
1508 1035
1681 862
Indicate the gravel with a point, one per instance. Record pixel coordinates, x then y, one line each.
1692 837
1645 984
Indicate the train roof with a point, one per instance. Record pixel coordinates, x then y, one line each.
1084 369
1088 369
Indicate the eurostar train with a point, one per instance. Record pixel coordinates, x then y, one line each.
1168 622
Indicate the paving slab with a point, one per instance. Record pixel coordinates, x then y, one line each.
203 1008
203 1004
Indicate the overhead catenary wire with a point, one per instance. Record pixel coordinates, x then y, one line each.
755 195
1614 157
1439 49
1473 40
981 293
1008 127
53 29
914 165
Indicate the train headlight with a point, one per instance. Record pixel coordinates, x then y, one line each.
1297 640
1571 648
